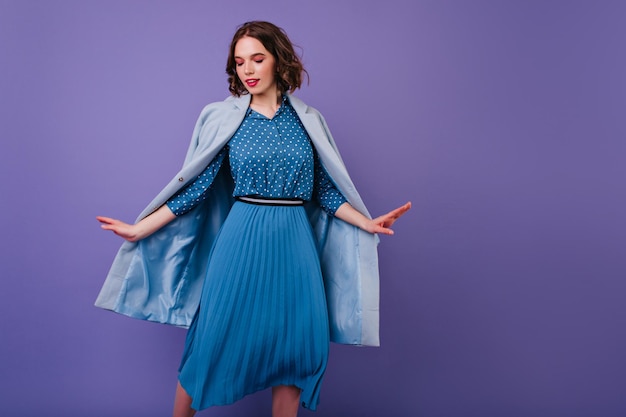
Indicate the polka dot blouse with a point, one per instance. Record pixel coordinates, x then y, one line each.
272 158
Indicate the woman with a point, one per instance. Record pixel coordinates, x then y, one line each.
246 275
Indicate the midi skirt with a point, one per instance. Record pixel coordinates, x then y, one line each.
262 320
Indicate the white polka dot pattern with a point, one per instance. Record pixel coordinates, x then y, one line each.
271 158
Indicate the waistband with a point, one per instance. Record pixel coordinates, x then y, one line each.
264 201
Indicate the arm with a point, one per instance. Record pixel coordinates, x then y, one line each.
144 228
188 198
335 204
380 224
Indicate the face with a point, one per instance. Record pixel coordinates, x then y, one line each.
256 67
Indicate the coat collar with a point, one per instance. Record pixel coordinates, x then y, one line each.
242 103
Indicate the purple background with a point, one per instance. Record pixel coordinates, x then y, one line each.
503 122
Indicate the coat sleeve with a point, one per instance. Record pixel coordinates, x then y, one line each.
160 277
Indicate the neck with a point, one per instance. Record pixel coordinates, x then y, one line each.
268 101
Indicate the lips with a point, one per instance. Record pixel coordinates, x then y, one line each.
251 82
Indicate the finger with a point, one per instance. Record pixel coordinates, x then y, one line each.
402 209
383 230
394 214
387 218
103 219
397 213
383 222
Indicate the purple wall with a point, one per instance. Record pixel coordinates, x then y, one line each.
503 122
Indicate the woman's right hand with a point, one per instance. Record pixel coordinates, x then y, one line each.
125 230
144 228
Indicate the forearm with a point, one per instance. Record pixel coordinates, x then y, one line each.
150 224
349 214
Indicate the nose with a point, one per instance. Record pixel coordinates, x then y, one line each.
248 68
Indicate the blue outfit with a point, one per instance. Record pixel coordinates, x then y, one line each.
262 319
161 277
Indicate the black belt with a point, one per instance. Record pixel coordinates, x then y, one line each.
264 201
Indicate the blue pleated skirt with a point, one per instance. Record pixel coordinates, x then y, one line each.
262 319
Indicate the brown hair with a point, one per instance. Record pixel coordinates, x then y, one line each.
289 68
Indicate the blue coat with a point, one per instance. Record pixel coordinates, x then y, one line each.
160 277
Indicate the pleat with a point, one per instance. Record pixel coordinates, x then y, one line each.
262 319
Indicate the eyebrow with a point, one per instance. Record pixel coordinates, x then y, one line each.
252 56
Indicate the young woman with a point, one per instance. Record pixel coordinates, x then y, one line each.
260 244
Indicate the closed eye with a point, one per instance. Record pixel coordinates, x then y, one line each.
258 61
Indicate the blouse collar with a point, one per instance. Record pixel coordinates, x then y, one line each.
256 115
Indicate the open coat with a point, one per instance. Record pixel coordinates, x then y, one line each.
160 277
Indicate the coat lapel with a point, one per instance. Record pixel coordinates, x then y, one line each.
233 118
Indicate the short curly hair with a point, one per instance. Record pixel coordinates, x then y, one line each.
290 70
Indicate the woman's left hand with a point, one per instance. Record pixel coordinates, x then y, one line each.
382 224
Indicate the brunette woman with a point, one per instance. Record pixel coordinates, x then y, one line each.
260 244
